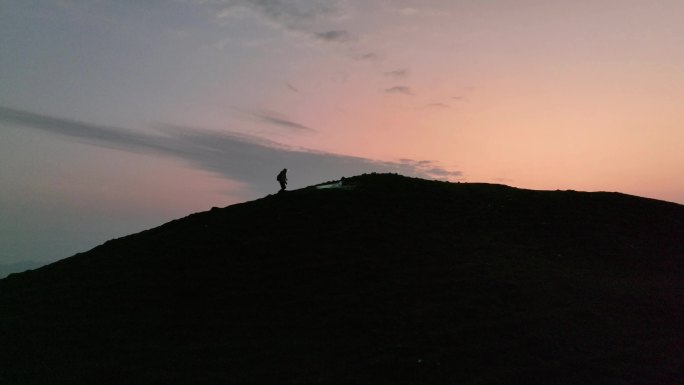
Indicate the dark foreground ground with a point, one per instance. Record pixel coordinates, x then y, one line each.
391 281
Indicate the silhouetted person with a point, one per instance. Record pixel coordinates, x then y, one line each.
282 179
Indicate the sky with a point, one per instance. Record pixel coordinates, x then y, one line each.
119 115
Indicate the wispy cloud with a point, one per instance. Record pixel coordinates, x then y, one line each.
248 159
439 106
438 172
403 90
287 13
279 120
339 36
396 74
112 137
431 168
365 56
418 10
291 87
299 16
504 180
408 11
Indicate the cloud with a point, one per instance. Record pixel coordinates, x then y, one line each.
396 74
437 172
439 106
416 162
119 138
425 11
504 180
339 36
365 56
291 87
248 159
431 169
408 11
404 90
294 14
278 120
297 16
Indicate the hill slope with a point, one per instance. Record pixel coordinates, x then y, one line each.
390 280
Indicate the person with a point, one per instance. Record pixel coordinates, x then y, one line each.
282 179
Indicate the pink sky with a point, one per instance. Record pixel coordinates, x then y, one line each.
583 95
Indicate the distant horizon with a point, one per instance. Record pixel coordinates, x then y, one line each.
119 116
7 268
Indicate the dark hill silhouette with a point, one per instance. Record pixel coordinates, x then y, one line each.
388 280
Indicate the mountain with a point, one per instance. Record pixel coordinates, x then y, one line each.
375 279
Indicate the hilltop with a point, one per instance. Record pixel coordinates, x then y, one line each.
377 279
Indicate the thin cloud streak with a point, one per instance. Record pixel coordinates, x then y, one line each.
243 158
282 122
293 16
289 14
396 74
291 87
439 106
112 137
403 90
365 56
335 36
